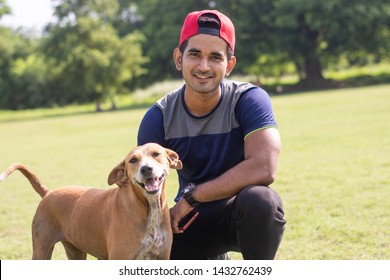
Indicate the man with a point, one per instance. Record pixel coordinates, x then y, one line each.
227 139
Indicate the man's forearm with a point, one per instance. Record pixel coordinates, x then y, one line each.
259 168
231 182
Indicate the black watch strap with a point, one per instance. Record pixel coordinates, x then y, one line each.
187 195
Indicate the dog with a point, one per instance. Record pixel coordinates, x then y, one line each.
129 222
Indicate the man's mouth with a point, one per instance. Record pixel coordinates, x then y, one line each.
202 76
153 184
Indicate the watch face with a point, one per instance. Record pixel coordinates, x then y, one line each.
185 191
188 189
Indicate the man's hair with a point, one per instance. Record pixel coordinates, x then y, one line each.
208 21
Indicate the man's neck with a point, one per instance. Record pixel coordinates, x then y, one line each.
200 104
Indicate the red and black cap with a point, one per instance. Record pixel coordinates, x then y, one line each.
191 27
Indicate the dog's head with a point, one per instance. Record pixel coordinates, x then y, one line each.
146 166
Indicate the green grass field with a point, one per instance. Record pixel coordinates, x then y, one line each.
334 171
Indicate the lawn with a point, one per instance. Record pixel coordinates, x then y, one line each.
334 171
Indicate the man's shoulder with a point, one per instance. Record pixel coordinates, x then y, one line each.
237 87
170 98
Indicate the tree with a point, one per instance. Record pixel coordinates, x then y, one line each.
91 61
161 24
4 8
314 31
21 74
5 48
17 82
309 33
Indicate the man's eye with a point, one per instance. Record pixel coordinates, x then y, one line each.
216 57
194 54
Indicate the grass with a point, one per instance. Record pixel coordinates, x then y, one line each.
334 173
333 176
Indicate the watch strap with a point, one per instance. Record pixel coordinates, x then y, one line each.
187 195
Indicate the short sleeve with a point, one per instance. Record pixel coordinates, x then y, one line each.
254 111
151 128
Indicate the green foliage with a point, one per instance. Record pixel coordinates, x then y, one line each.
309 34
16 80
313 32
87 52
4 8
161 25
274 66
29 80
99 49
81 59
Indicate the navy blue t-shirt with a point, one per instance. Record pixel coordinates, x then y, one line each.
212 144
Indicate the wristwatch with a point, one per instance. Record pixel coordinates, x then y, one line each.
187 195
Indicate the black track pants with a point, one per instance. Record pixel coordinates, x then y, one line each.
251 223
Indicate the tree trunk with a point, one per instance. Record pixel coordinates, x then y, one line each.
98 107
113 104
311 68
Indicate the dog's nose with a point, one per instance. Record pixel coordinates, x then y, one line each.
146 170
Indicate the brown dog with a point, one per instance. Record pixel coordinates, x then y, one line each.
129 222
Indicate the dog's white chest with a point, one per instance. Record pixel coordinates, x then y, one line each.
155 238
151 245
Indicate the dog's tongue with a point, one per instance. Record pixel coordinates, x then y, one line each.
152 185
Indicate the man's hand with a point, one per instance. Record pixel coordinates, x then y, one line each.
179 211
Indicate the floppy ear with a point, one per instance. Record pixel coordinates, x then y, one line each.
174 161
118 175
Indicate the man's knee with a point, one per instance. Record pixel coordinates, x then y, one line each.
259 201
259 222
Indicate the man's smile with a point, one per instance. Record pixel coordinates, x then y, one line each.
203 76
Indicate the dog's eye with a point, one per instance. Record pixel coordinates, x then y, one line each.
155 154
133 160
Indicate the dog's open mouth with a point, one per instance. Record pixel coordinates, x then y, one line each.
153 185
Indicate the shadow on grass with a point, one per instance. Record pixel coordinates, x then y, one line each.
65 113
328 84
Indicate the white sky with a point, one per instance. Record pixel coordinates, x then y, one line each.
30 14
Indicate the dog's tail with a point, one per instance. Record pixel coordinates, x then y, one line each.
41 189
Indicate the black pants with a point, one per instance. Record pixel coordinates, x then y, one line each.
251 223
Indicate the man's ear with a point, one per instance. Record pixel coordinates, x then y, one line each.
118 175
230 65
174 161
178 58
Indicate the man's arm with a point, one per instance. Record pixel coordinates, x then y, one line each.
259 167
151 128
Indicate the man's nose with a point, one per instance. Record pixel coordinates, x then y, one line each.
204 65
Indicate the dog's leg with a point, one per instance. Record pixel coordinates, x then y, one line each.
45 234
72 252
42 250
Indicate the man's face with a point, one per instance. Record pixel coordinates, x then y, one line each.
204 63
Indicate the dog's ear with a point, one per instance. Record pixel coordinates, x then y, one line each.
174 161
118 175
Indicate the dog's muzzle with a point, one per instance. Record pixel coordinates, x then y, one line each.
151 183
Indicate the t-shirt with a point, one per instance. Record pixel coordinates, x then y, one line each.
211 144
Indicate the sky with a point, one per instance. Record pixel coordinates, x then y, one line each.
29 14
